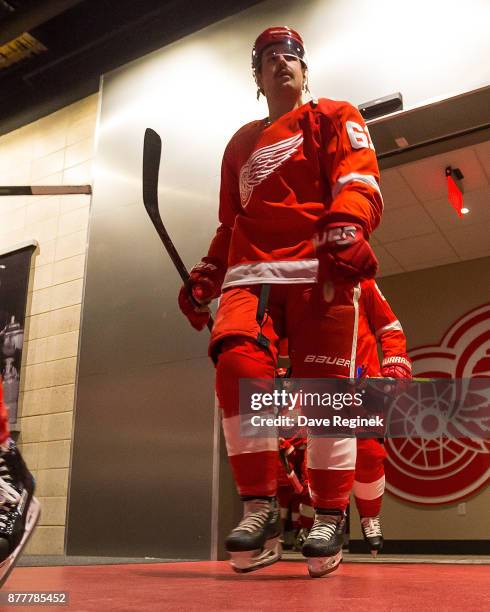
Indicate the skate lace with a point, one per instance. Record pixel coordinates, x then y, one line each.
255 516
324 527
9 497
372 526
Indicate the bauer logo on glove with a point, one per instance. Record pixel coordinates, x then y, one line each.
343 235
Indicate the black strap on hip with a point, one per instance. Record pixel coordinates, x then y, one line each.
261 315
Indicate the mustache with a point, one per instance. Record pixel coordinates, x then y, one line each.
284 71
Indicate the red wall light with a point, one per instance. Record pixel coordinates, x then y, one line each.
454 193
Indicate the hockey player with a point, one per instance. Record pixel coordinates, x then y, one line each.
19 510
377 323
299 198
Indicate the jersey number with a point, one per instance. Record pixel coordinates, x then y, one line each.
359 136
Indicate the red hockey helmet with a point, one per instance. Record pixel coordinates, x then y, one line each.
292 41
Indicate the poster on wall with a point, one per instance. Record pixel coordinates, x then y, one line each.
14 279
444 470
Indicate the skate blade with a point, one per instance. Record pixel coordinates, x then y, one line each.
9 563
321 566
251 560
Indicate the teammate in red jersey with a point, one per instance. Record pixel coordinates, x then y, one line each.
299 198
19 510
377 323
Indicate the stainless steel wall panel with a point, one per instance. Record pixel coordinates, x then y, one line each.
134 319
140 475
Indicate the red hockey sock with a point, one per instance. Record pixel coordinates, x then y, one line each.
331 464
369 507
369 484
330 488
253 459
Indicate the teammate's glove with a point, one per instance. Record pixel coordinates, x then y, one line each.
344 254
204 284
397 366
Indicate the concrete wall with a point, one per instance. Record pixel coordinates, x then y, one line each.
55 150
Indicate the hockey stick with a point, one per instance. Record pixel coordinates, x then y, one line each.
290 473
152 151
19 190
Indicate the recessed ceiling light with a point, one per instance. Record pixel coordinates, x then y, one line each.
465 211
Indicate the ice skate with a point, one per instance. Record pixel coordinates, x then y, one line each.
19 510
323 547
373 536
255 542
301 538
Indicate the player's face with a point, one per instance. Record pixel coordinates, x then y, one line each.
280 72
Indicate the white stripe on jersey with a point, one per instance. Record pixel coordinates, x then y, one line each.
368 179
355 336
395 326
272 272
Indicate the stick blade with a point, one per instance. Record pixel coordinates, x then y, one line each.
152 151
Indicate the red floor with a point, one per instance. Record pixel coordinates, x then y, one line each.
283 586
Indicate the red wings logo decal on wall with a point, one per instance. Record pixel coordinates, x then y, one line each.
440 470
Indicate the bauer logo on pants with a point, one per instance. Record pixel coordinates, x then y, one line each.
441 470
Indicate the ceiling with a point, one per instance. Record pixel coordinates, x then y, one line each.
78 40
420 229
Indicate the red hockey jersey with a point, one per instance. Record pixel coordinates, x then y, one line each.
377 323
278 179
